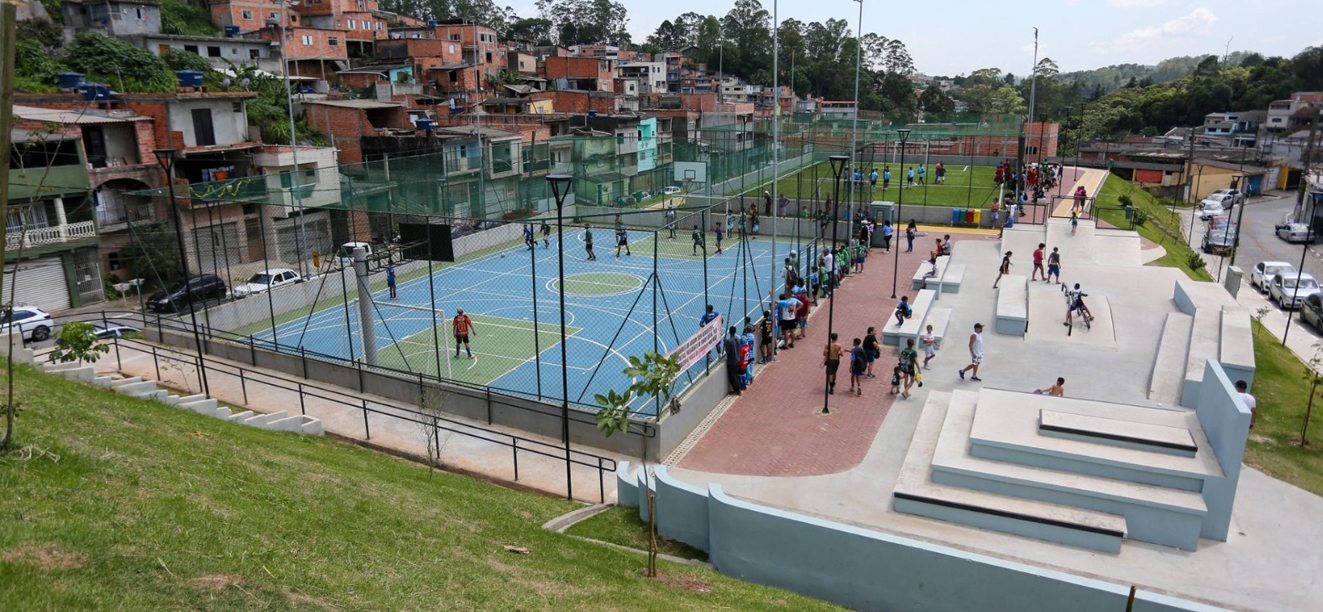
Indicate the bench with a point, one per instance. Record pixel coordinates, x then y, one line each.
939 318
1012 305
1237 349
921 279
894 335
952 278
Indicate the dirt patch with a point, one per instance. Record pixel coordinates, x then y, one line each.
300 598
46 557
215 582
692 585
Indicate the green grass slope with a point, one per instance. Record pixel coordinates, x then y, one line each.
119 504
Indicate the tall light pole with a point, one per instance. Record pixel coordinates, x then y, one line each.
296 189
900 206
1021 182
838 165
776 139
560 187
166 158
854 124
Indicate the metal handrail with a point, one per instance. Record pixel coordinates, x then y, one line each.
516 443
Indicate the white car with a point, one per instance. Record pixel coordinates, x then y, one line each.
1229 197
670 190
345 255
266 280
1209 208
1294 232
33 323
1263 272
1290 290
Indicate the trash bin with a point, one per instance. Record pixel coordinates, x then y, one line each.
969 215
957 215
978 216
1129 212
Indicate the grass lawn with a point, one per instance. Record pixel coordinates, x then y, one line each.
122 504
1159 217
623 526
817 183
1282 391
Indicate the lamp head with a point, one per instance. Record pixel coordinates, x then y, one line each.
904 134
838 164
165 157
560 186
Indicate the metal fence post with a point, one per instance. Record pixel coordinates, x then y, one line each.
366 428
243 384
303 408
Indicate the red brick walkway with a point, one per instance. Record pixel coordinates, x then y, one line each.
775 429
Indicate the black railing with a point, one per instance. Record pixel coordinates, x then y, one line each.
369 407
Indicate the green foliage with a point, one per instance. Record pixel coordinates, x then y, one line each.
654 376
270 111
46 33
186 60
123 66
1124 200
34 67
184 19
78 342
1194 261
155 256
1140 216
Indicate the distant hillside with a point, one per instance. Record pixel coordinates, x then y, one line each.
1112 78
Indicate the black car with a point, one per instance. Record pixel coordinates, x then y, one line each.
1220 241
199 288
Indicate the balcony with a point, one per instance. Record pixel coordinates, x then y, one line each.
47 236
115 219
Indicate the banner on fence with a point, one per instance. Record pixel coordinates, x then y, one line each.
691 351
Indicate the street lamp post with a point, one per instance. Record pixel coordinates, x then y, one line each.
560 188
296 189
166 158
900 207
838 163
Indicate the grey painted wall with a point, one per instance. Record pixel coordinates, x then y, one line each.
1225 419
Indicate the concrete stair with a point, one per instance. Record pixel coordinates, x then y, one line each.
1076 472
146 389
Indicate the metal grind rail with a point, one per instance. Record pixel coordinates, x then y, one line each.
246 376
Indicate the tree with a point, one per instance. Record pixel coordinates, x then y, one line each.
898 58
535 29
577 22
78 342
111 60
653 376
934 100
898 93
1046 68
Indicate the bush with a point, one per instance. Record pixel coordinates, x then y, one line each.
1140 217
123 66
181 18
1125 200
1194 261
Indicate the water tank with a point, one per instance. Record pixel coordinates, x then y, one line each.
431 23
424 124
231 30
95 92
70 80
189 78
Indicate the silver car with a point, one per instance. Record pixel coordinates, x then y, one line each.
1263 272
1311 311
1290 290
266 280
1295 232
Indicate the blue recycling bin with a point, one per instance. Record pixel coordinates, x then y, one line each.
957 215
70 80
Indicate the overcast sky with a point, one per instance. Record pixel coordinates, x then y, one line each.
948 37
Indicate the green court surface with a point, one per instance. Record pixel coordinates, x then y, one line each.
955 191
499 346
599 283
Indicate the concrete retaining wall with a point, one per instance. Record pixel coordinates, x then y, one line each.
1225 419
698 401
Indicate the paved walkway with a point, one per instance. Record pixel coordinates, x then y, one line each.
775 428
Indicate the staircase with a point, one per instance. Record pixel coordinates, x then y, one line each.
201 404
1076 472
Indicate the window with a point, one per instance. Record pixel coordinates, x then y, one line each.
333 41
620 139
138 12
307 40
213 51
253 54
455 37
353 24
378 24
236 107
204 135
246 14
191 48
274 15
452 48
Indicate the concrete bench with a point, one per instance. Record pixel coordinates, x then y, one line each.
1164 382
1012 305
940 319
894 335
921 279
1205 344
952 278
1237 345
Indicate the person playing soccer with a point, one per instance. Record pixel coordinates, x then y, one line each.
588 242
720 234
528 235
698 240
463 327
546 235
390 281
622 239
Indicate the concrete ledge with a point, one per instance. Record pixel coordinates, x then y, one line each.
921 280
893 335
953 278
1112 432
1164 381
1205 342
1236 353
627 494
1012 305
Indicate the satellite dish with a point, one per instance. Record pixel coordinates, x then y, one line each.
245 82
225 82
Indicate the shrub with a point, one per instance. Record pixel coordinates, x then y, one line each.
1125 200
1194 261
1140 217
125 67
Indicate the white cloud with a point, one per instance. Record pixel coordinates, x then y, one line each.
1134 3
1197 23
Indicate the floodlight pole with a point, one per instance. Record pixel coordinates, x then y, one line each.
900 206
296 190
560 188
166 159
838 163
776 141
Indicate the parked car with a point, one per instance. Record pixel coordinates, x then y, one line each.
34 324
671 190
1207 209
1312 310
1291 289
1220 240
1295 232
1230 197
1263 272
111 329
267 280
198 289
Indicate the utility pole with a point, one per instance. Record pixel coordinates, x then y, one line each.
1305 160
8 25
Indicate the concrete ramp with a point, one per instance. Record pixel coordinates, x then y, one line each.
1047 313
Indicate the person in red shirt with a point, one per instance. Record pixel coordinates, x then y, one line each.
463 326
1038 262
